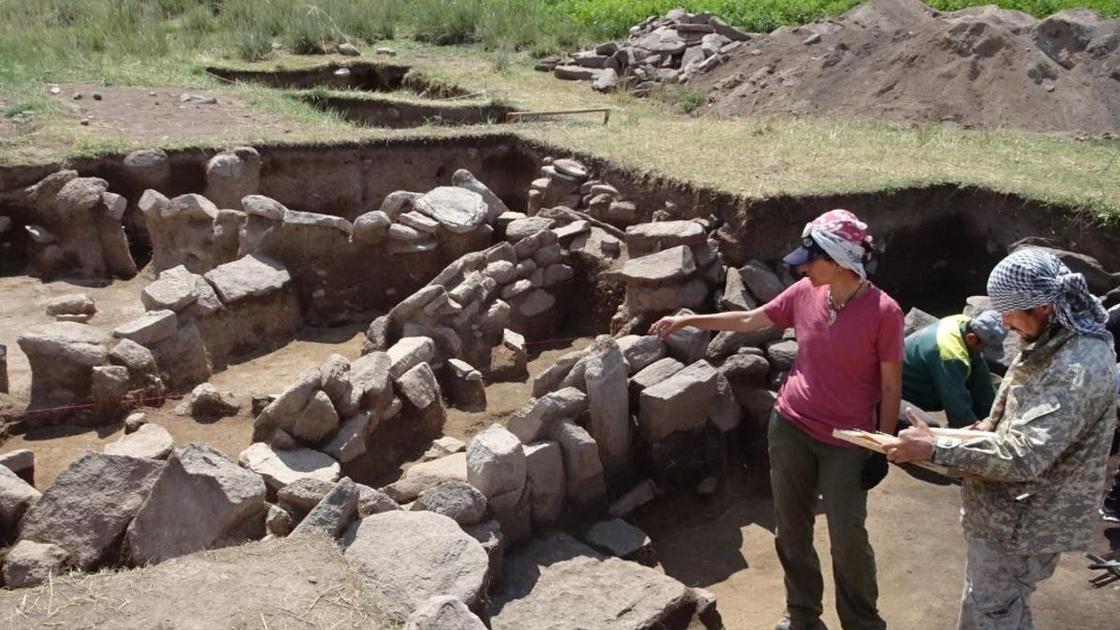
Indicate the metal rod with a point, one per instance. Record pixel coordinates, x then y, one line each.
591 110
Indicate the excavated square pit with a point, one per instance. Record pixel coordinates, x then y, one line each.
283 287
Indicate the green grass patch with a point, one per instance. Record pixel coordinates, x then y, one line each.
612 18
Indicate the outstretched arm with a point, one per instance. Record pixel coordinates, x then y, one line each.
737 321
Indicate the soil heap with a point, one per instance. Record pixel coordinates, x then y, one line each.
901 60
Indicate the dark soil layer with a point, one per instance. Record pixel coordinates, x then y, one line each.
901 60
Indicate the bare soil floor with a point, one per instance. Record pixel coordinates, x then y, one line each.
723 543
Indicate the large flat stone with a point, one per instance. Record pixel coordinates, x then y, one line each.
558 582
677 403
202 500
279 468
86 509
650 237
408 557
458 209
248 277
668 266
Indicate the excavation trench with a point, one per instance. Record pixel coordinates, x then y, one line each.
936 245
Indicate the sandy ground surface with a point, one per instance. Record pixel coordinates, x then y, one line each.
726 545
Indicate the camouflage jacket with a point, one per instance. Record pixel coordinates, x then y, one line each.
1034 486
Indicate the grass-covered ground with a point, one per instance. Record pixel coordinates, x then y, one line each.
169 42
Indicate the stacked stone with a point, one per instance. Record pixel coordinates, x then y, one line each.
73 364
410 222
468 307
190 230
76 307
559 185
77 227
238 306
671 265
669 49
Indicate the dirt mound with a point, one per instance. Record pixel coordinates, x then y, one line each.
902 60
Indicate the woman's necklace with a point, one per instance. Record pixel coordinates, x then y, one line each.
834 310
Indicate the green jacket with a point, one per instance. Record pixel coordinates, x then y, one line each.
940 373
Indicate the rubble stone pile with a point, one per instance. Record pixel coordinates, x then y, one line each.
669 50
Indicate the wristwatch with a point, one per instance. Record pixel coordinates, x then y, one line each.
945 443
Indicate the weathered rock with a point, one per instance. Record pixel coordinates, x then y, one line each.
288 405
618 538
782 354
134 421
135 357
692 294
109 384
73 304
641 494
641 351
110 487
645 238
248 277
607 81
150 440
232 175
371 388
334 512
409 352
443 612
735 294
202 500
207 402
544 465
408 557
278 521
761 281
727 342
509 360
536 420
609 405
536 303
524 228
559 582
575 73
668 266
458 209
726 414
302 495
152 327
16 496
21 462
316 420
494 205
457 500
917 319
489 534
373 501
653 374
688 344
29 563
419 387
465 387
349 442
496 466
280 468
586 486
62 356
420 477
677 403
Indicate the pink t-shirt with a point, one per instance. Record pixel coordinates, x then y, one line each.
834 383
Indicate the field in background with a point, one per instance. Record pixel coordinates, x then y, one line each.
170 42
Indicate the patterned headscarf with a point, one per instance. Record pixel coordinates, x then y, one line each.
1033 277
841 235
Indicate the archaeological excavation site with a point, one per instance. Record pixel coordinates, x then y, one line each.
408 381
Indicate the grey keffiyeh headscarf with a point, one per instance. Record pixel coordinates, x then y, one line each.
1033 277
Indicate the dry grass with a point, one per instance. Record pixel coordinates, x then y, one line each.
757 157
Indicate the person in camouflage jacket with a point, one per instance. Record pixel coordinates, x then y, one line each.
1031 489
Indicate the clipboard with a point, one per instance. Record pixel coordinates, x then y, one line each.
875 441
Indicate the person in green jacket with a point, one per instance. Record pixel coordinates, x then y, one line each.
945 368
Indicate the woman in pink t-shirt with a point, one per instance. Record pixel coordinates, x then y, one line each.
848 374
